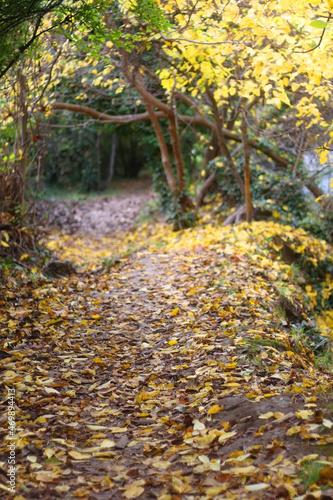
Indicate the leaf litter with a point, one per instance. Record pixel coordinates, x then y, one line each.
170 375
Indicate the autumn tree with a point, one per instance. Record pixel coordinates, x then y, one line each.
244 74
26 27
20 25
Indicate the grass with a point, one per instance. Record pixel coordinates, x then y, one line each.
325 360
75 194
310 474
320 346
254 347
257 343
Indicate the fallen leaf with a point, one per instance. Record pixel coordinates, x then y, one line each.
227 435
198 426
266 415
214 409
256 487
79 456
161 464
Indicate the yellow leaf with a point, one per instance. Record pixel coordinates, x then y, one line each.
214 491
250 469
293 430
107 443
264 416
161 464
133 491
226 436
107 482
174 312
277 460
214 409
4 244
116 430
40 420
291 490
323 157
179 486
48 452
308 458
143 396
99 360
311 399
304 414
79 456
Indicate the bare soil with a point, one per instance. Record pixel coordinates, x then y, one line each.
102 215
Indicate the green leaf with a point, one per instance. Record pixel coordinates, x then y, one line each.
320 25
53 460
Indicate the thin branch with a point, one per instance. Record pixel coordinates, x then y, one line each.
48 80
22 49
320 39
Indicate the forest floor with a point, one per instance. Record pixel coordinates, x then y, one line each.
167 367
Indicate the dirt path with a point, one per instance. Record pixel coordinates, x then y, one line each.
102 215
172 375
139 383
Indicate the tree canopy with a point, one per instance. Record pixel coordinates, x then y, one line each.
250 81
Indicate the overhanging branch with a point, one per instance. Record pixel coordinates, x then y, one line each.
196 119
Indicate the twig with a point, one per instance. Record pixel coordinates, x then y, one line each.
320 40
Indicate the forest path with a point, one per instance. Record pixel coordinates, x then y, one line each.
139 382
169 374
100 215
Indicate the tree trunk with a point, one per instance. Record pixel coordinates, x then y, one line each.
247 174
212 150
177 190
163 149
185 201
109 178
203 190
21 141
223 143
197 119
